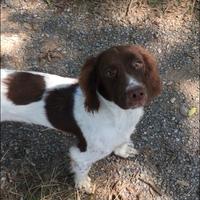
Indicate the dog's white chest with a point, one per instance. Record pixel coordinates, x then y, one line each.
126 122
110 126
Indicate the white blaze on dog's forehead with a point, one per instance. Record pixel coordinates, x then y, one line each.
132 81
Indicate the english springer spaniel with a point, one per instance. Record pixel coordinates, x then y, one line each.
101 108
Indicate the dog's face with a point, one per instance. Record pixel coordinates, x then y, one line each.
125 75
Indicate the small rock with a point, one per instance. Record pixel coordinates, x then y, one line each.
183 183
176 131
169 83
183 110
172 100
27 26
27 151
3 182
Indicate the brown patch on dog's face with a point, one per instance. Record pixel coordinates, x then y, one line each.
125 75
24 88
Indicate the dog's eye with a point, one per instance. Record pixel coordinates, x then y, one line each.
137 65
110 73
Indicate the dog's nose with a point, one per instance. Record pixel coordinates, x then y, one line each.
136 94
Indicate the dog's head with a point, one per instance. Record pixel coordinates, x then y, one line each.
125 75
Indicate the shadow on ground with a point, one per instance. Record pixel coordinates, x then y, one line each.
34 159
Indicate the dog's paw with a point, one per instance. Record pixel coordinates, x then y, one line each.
126 150
84 185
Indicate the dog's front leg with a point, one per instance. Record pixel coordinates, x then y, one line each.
126 150
81 163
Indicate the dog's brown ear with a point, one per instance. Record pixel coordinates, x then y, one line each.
152 78
88 84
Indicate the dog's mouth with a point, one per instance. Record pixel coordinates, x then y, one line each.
136 104
133 105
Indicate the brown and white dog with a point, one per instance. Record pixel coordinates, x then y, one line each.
102 108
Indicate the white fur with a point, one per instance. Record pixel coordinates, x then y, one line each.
12 112
126 150
132 82
105 131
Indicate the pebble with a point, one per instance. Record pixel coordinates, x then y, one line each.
159 50
27 26
183 110
172 100
169 83
176 131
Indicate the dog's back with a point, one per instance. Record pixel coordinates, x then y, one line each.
23 93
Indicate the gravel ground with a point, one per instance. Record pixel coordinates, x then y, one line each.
57 38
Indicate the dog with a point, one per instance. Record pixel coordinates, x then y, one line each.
102 107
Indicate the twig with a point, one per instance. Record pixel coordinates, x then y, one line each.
129 7
46 129
78 197
153 187
25 179
4 155
118 194
14 193
193 6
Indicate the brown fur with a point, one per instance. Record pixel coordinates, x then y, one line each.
24 88
119 60
59 110
152 79
87 81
